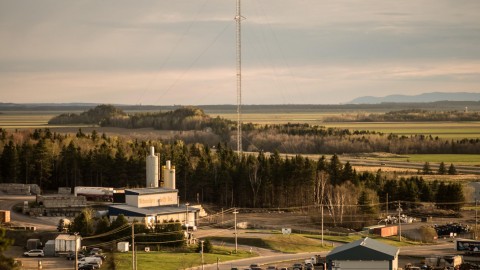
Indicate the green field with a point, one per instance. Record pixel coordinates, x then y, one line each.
457 159
174 261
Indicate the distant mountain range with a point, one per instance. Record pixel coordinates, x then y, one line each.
426 97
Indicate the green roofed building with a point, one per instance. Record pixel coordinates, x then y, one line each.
364 254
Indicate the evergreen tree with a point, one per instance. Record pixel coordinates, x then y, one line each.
426 168
9 164
334 170
442 169
452 170
6 263
207 246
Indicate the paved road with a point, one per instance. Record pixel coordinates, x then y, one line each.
288 259
7 202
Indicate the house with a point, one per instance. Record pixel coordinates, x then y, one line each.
365 253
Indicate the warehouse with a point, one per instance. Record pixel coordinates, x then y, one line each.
364 254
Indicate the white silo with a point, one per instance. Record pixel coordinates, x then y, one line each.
152 169
168 172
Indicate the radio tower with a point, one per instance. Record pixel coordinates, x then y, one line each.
239 19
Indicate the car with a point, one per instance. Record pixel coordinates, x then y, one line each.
34 253
101 256
86 267
71 256
297 266
94 251
234 268
254 265
284 268
95 265
272 267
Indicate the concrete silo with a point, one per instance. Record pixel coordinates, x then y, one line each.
152 169
168 173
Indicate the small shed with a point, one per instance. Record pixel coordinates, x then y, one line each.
364 254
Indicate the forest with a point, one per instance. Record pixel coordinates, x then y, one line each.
286 138
214 175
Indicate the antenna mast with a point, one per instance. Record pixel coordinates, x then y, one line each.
239 18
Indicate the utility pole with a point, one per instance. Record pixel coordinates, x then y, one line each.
476 217
186 223
321 205
133 246
202 255
235 220
387 206
399 223
76 251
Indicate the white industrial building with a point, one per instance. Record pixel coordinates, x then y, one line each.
364 254
155 204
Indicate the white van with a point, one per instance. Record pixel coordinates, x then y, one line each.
90 259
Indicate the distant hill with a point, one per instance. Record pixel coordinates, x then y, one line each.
426 97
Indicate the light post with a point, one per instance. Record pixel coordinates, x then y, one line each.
76 251
235 220
133 246
202 254
399 222
186 222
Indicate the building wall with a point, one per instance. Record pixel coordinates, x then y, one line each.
150 200
359 265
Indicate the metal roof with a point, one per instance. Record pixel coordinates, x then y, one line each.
146 191
364 249
67 237
128 210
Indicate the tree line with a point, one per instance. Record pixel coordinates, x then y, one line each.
411 115
286 138
205 174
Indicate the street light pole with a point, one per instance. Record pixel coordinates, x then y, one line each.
133 246
76 251
202 255
235 220
399 223
186 222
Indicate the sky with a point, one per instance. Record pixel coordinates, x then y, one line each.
183 52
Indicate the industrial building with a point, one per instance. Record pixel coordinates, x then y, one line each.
365 253
155 203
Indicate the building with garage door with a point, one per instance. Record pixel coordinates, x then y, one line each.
365 253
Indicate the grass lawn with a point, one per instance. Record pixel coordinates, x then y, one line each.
393 240
279 242
173 261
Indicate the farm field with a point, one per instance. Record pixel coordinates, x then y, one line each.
449 130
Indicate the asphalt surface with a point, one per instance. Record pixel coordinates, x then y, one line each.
7 202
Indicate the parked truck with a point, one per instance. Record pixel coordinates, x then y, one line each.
65 244
33 244
445 262
95 193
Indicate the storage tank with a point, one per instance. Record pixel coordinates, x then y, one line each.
152 169
168 173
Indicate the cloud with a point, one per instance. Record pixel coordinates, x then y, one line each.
183 52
